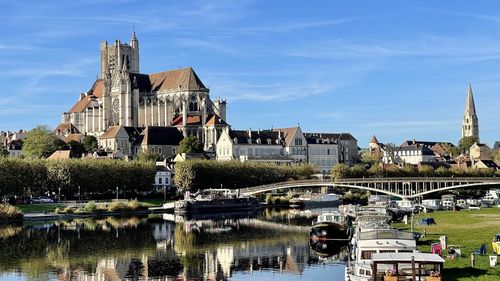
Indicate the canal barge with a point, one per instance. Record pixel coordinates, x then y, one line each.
330 225
215 200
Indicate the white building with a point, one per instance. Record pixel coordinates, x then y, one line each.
411 154
295 145
323 152
257 146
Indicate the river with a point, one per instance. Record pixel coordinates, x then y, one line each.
270 245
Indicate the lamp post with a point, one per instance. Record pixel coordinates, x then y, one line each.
79 199
59 193
116 192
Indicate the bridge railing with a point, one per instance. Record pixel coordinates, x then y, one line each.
283 183
415 179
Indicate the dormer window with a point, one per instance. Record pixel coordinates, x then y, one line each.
269 141
258 141
249 140
235 140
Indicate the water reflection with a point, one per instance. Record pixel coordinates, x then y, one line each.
156 249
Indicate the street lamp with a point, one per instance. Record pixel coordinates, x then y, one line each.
79 194
117 193
59 194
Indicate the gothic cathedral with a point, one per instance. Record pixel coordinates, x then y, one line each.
123 96
470 124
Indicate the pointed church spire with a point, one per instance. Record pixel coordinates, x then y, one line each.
470 123
470 107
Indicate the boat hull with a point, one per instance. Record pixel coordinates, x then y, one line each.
328 230
217 205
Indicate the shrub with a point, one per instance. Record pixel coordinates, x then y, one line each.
90 207
375 171
117 206
9 212
443 172
134 205
340 171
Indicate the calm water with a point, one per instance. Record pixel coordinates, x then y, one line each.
273 245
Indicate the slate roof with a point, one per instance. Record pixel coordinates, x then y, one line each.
333 136
489 163
242 137
425 143
319 139
154 135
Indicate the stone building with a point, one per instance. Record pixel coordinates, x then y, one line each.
295 145
256 146
470 123
122 96
322 152
480 151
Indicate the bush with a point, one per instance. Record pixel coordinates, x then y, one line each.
117 206
90 207
340 171
9 212
203 174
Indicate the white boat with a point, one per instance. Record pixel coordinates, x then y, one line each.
323 200
406 265
433 204
369 242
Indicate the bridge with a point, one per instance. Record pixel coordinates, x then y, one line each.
405 188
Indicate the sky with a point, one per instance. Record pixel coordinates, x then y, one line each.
395 69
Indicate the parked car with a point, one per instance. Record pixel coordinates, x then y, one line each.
42 200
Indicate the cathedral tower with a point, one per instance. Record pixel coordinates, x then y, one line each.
470 124
119 56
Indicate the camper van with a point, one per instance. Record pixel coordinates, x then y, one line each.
448 202
433 204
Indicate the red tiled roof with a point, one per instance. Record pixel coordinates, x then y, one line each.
73 137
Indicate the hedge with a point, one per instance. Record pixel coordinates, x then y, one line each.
204 174
25 177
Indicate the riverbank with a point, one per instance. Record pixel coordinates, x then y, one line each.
466 230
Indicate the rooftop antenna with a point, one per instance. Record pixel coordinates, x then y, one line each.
133 27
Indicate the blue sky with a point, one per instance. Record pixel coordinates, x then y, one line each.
396 69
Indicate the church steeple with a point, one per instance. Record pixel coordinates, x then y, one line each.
470 124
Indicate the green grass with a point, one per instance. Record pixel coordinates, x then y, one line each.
39 207
152 202
468 229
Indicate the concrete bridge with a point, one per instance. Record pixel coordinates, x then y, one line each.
405 188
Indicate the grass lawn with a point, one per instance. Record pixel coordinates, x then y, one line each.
469 230
38 207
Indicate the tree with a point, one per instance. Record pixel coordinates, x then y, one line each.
148 156
40 143
184 175
392 151
370 158
3 151
77 148
465 144
340 171
90 144
190 144
452 151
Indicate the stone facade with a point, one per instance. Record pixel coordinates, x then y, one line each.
123 96
470 123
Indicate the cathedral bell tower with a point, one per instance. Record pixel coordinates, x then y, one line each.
117 62
470 124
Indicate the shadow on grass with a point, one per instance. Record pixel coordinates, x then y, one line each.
426 242
465 272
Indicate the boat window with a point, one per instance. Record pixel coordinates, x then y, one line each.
405 251
387 251
366 255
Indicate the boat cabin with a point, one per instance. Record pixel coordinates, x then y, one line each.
407 266
331 217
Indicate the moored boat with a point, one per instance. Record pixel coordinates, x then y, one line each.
330 225
216 200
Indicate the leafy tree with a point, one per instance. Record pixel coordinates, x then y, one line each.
184 175
392 150
340 171
190 144
90 144
452 151
77 148
148 156
357 171
426 170
41 143
465 144
3 151
370 158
